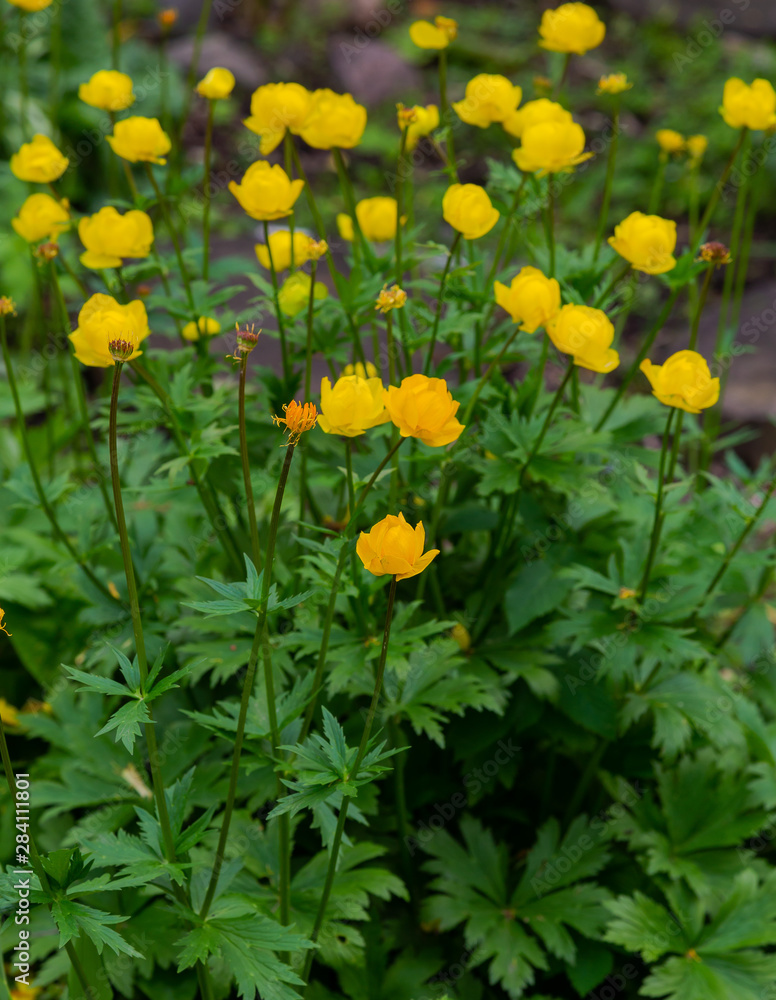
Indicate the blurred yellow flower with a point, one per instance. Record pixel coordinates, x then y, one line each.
2 626
535 113
434 36
683 381
390 298
669 140
280 247
613 83
586 334
424 121
38 161
266 192
31 6
41 217
108 90
294 294
276 107
696 146
467 208
101 320
646 241
333 120
460 634
572 27
352 405
110 237
368 371
395 548
140 140
489 98
376 219
205 326
217 84
9 714
532 298
7 306
551 147
745 106
298 418
424 408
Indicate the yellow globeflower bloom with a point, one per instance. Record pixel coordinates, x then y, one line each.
532 298
280 248
489 98
294 294
276 107
217 84
205 326
696 147
434 36
395 548
551 147
110 237
41 217
467 208
38 161
103 320
390 298
647 241
108 90
333 120
586 334
572 27
422 122
352 405
613 83
266 192
535 113
140 140
745 106
424 408
31 6
376 219
683 381
669 140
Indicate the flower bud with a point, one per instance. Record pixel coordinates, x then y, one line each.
121 350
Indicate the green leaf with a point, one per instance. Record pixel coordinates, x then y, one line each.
535 591
74 919
127 722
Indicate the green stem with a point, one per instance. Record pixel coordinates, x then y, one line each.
246 468
446 118
288 161
610 165
550 223
719 188
174 237
483 381
55 59
24 89
206 191
278 310
658 518
616 279
547 421
400 205
354 772
440 300
699 309
350 203
657 187
116 34
204 17
503 236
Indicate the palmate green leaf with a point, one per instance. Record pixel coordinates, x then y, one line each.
642 925
94 682
74 919
136 860
244 595
127 722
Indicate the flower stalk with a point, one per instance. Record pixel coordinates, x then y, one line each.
440 300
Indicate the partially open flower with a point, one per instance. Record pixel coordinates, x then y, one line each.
489 98
110 237
217 84
532 299
333 120
41 217
376 220
535 113
276 107
683 381
395 548
419 121
266 192
297 418
696 146
390 298
551 147
745 106
614 83
167 17
140 140
586 334
280 246
101 320
467 208
670 141
294 294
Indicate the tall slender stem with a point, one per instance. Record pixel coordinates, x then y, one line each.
608 184
658 518
547 421
446 118
400 205
440 300
350 203
206 190
699 309
246 468
278 310
718 189
657 186
550 222
24 90
116 35
343 813
173 236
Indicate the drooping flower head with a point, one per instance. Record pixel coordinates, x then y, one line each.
586 334
352 405
424 408
108 90
572 27
140 140
110 237
467 208
489 98
434 36
276 107
395 548
41 217
745 106
333 120
38 161
101 320
647 242
683 381
266 192
551 147
532 299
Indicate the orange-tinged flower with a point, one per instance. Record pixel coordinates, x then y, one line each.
395 548
38 161
140 140
298 418
424 408
586 334
352 405
434 36
683 381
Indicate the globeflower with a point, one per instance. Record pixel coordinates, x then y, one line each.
572 27
669 140
217 84
535 113
532 298
352 405
101 320
294 294
108 90
266 192
467 208
696 146
376 220
422 123
205 326
110 237
489 98
434 36
613 83
280 244
276 107
586 334
683 381
424 408
390 298
647 242
38 161
333 120
746 106
395 548
140 140
41 217
551 147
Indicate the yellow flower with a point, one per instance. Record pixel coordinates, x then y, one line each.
102 320
395 548
333 120
683 381
7 306
489 98
280 247
749 106
31 5
572 27
390 298
140 140
41 217
317 249
368 371
352 405
205 326
108 90
647 241
434 36
276 107
535 113
9 714
298 418
532 299
110 237
2 626
467 208
38 161
551 147
294 294
460 634
613 83
266 192
586 334
424 408
423 122
696 147
216 84
376 219
669 140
